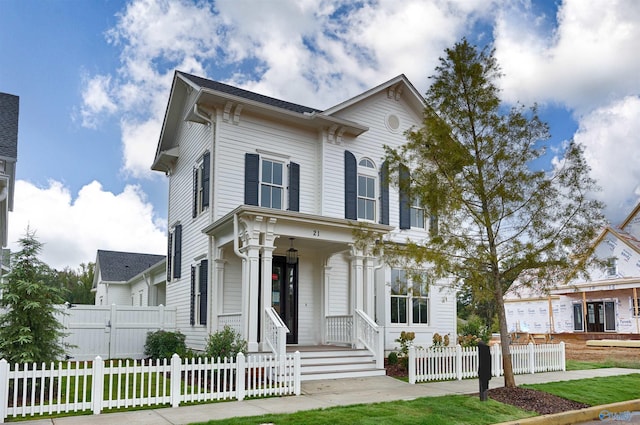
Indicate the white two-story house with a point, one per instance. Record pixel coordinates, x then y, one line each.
264 199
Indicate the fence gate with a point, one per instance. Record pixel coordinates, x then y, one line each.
114 331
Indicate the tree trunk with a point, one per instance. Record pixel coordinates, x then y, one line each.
509 380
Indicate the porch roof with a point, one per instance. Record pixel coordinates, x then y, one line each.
296 224
602 285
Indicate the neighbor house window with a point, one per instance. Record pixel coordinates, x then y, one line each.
635 306
612 266
271 184
366 190
578 317
201 184
409 297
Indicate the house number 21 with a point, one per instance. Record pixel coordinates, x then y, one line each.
316 233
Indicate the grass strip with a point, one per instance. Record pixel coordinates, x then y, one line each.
455 409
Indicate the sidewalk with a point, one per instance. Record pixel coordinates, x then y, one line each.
316 395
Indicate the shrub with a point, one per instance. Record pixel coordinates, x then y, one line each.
472 332
405 340
225 343
393 358
163 344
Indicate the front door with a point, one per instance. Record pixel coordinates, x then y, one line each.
284 295
595 317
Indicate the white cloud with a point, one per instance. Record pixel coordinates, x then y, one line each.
96 100
588 60
313 53
73 229
610 136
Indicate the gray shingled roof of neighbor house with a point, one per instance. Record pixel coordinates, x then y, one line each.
116 266
224 88
9 108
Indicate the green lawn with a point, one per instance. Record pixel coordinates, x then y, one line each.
595 391
582 365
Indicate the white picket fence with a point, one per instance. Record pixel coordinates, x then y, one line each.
446 363
75 386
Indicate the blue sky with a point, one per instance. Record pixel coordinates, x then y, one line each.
93 79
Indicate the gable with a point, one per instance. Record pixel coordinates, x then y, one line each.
115 266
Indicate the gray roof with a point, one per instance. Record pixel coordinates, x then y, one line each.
9 106
246 94
118 266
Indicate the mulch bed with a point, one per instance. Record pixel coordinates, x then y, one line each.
536 401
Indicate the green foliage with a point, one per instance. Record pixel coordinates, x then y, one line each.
164 344
76 284
225 343
29 328
405 340
471 332
392 359
501 217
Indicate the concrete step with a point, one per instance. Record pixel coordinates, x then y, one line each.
341 374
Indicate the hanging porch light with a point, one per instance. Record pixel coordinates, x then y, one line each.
292 254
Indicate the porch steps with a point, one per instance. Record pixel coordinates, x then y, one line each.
336 363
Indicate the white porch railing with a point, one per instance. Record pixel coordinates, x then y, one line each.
369 334
442 363
33 390
275 333
339 329
233 320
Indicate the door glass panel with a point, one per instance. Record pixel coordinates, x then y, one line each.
609 316
577 317
275 288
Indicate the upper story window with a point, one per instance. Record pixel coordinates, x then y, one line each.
271 181
612 266
417 214
367 175
174 252
201 184
271 184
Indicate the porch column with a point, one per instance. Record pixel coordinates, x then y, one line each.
251 313
357 289
265 296
369 287
217 304
326 278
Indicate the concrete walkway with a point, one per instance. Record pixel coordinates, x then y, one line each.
316 395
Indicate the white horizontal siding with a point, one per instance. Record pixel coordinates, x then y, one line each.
339 298
309 296
251 134
232 286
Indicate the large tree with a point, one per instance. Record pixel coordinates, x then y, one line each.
476 168
29 327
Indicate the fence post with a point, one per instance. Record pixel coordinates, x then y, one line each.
97 387
176 377
412 364
240 375
113 321
4 389
296 372
161 318
496 358
458 362
563 359
532 358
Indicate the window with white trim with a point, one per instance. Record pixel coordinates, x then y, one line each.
201 182
199 290
367 175
612 266
409 297
272 184
417 214
174 252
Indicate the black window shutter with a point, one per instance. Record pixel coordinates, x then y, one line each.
169 255
203 280
192 299
405 205
177 252
384 193
294 186
251 178
206 175
194 208
350 186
